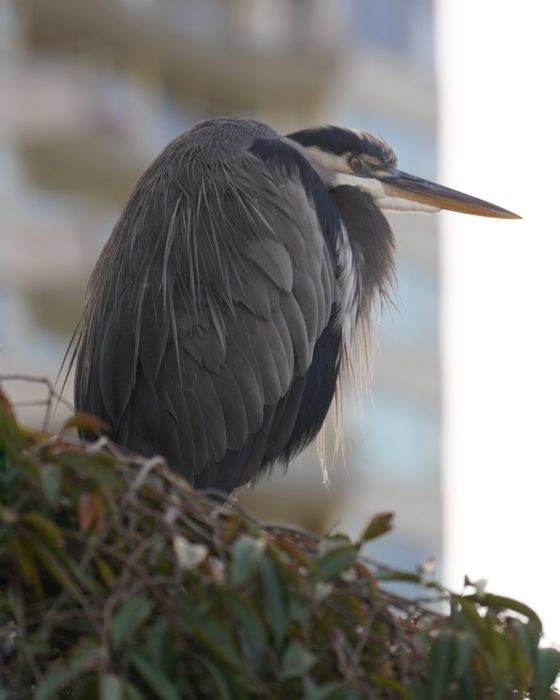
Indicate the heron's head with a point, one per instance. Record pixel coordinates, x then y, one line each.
359 159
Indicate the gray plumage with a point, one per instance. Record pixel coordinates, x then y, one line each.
204 304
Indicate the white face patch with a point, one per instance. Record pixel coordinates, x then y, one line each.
401 204
323 161
367 184
377 192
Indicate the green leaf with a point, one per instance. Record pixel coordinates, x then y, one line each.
131 692
157 681
86 656
274 605
245 556
395 575
441 657
50 479
493 677
548 668
99 468
51 682
24 557
221 686
299 609
464 644
110 687
468 686
528 635
10 484
335 561
129 617
215 633
164 650
296 661
105 571
85 421
334 542
378 525
499 603
248 616
56 562
42 527
465 613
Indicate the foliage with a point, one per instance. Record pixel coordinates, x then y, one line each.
117 581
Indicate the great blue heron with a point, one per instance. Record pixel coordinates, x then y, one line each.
225 302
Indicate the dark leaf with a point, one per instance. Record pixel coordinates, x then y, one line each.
245 556
85 421
274 605
129 618
528 634
165 651
24 557
85 658
42 527
296 661
395 575
221 686
502 603
216 634
548 668
110 687
131 692
338 541
335 562
105 571
441 658
379 525
247 615
160 685
50 478
464 644
53 681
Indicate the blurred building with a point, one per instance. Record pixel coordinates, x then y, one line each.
91 92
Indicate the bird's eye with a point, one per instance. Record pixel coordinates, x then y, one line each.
356 163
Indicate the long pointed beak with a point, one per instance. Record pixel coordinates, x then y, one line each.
398 185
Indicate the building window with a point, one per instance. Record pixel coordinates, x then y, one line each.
414 324
401 27
395 438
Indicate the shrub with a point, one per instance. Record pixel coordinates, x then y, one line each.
118 581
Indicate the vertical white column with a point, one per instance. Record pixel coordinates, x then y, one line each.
499 72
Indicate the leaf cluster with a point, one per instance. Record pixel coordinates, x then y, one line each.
119 582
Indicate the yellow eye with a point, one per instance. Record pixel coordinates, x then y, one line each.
356 163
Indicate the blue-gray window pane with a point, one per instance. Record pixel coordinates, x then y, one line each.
399 441
402 27
414 323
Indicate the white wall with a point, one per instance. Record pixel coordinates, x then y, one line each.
499 70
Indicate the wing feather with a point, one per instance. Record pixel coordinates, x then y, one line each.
213 416
225 283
